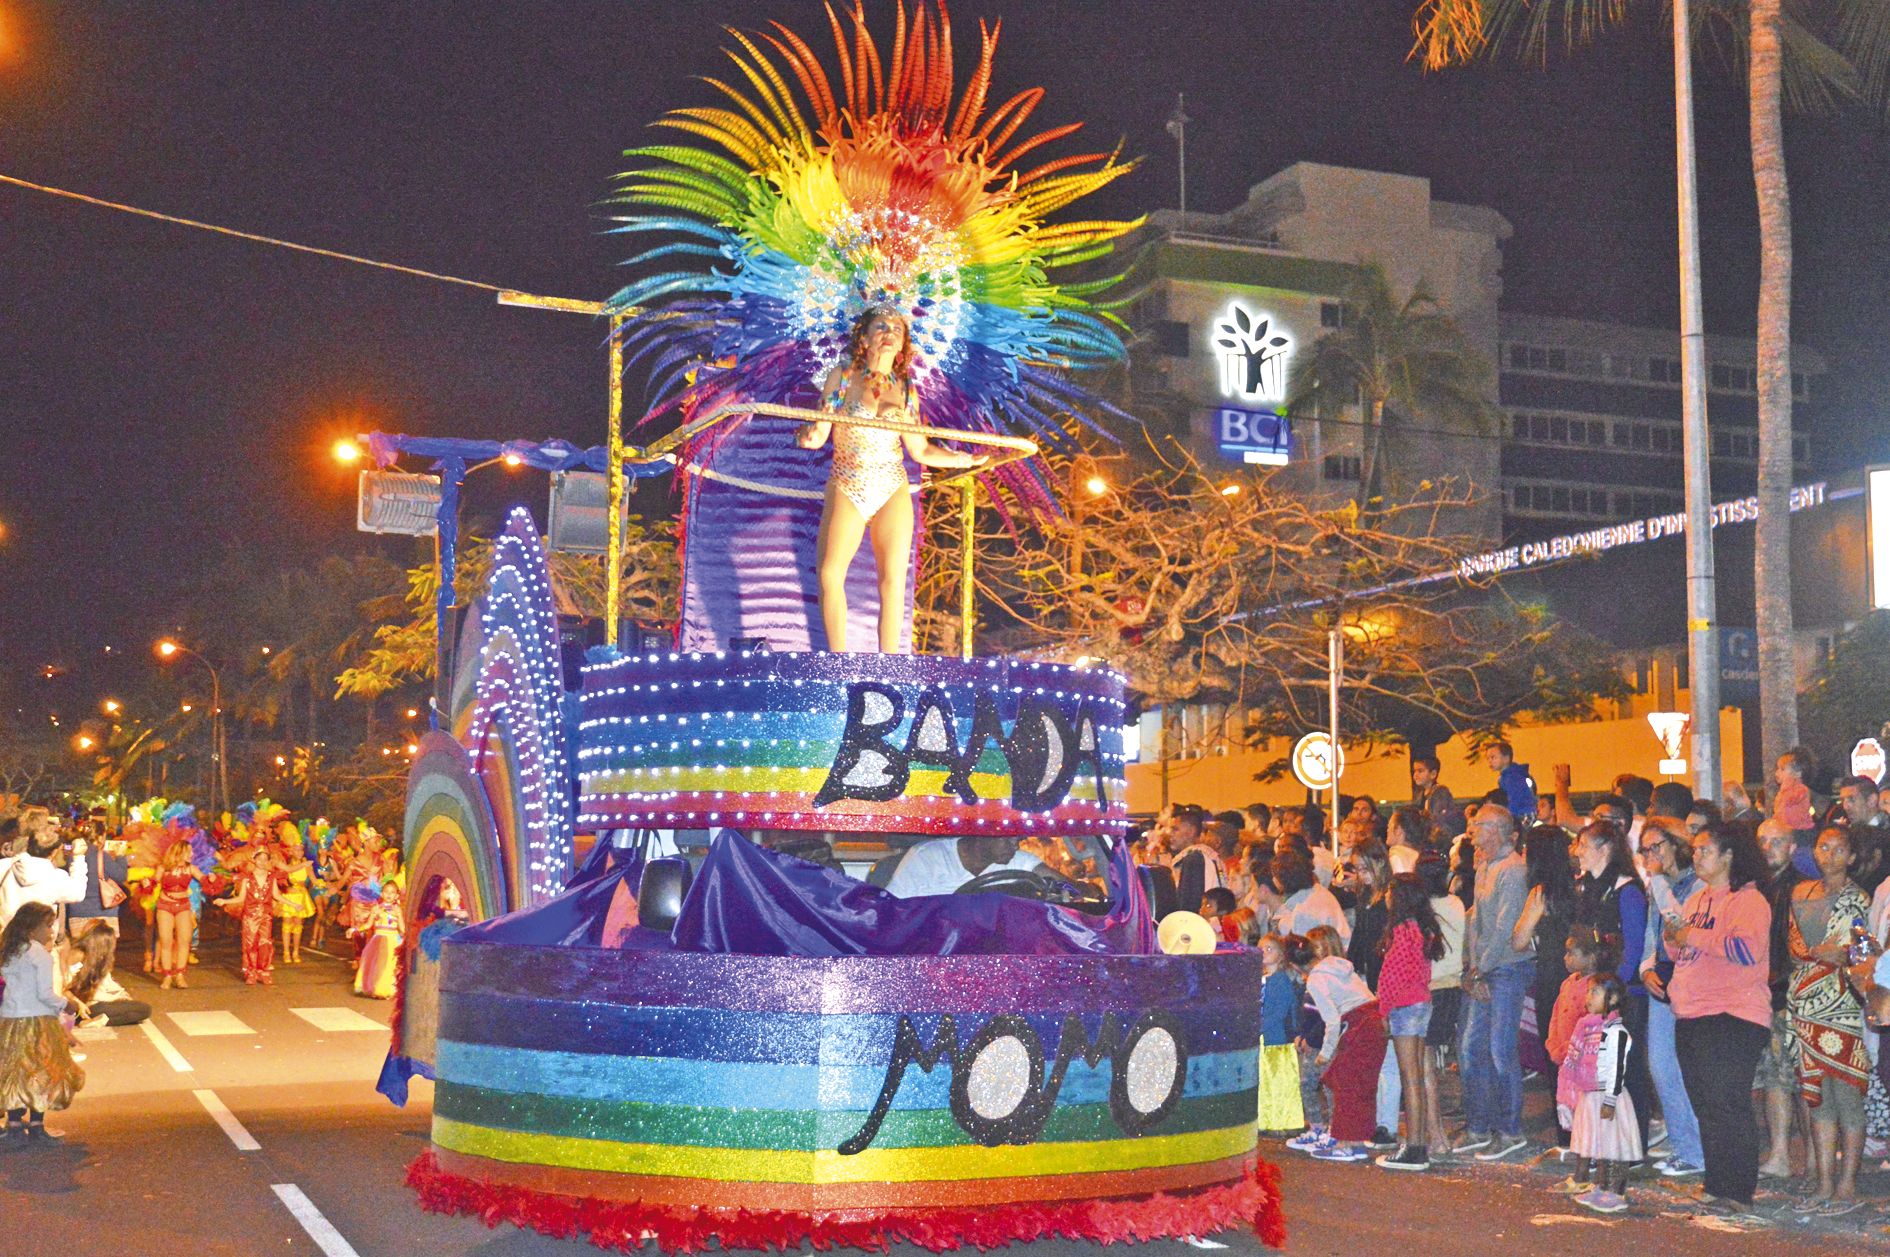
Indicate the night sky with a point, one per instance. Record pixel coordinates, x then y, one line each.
166 394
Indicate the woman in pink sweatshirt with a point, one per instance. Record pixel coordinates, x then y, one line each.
1722 1005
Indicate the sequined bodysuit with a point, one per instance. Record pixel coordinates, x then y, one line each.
869 464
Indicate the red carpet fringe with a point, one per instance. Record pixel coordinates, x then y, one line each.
1253 1202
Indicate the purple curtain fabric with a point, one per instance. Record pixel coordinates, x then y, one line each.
748 556
747 899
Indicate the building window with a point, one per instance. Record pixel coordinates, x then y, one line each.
1171 339
1343 467
1663 370
1801 449
1331 314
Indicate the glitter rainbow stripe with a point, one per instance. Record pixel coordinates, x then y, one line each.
742 1079
749 738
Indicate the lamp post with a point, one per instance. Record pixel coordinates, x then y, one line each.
169 648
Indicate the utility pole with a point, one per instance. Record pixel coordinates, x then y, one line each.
1178 127
1335 670
1702 595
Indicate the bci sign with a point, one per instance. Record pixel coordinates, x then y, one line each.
1253 436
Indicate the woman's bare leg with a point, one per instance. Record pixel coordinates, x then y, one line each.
892 556
1411 1050
841 529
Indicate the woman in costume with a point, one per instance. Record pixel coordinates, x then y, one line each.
1828 1022
255 905
294 904
867 488
176 916
376 975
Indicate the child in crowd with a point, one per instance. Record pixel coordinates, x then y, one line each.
1412 941
1352 1048
1281 1108
1311 1032
1590 1097
1222 911
1585 955
37 1072
1793 804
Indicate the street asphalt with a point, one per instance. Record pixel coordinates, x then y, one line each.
244 1121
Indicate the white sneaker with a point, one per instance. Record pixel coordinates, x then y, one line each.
1309 1139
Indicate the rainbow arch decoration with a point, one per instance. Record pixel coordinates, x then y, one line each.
489 803
449 827
515 727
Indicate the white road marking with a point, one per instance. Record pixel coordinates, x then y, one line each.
319 1229
220 1112
199 1024
337 1019
163 1045
1195 1241
98 1034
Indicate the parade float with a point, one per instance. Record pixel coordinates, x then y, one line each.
719 1042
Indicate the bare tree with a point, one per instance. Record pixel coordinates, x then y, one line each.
1225 588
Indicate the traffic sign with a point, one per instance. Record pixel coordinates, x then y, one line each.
1313 760
1867 760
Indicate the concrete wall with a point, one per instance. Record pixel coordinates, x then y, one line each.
1597 749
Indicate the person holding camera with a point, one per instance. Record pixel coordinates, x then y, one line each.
28 878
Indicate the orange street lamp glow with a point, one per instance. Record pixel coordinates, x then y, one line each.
347 451
112 706
282 761
1097 486
513 460
84 742
1230 490
413 713
186 708
166 648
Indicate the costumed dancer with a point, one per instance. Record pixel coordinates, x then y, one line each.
332 854
867 490
37 1073
1592 1098
176 915
364 888
294 903
254 904
378 973
1280 1107
878 242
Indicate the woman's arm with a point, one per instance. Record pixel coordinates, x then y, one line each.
832 393
1632 903
926 454
1523 934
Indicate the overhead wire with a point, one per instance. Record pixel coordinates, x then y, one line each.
250 235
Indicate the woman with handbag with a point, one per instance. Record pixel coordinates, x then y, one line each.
104 892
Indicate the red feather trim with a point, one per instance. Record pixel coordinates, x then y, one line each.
1253 1202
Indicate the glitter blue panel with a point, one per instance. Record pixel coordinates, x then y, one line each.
723 1035
757 1085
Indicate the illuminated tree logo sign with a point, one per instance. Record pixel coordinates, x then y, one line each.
1253 357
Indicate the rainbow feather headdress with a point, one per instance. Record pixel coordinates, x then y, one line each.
800 210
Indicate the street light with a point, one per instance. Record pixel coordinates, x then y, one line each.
168 648
112 706
85 742
347 451
1097 486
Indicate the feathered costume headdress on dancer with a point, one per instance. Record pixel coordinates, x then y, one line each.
807 207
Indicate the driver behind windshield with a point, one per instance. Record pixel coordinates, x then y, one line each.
941 866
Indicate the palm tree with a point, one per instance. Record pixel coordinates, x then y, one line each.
1403 361
1810 57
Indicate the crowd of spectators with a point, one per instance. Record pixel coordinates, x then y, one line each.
1702 982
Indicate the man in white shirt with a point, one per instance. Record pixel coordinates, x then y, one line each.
28 878
941 866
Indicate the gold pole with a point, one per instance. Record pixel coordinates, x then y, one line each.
613 575
969 514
